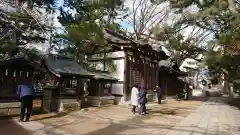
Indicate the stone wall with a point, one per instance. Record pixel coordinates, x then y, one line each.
13 108
47 100
98 101
60 104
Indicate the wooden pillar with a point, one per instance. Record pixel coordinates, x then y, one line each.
166 79
142 67
152 75
156 75
130 85
104 61
99 88
148 75
133 72
125 88
136 71
144 73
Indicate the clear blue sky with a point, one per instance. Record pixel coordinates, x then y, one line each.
127 26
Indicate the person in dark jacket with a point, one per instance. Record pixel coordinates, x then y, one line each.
143 100
159 94
26 93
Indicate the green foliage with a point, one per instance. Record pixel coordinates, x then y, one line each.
175 42
220 17
218 62
111 67
85 28
32 53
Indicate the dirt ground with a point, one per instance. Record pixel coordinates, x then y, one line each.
9 127
117 120
234 102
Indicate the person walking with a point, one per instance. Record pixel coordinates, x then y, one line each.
134 98
143 101
159 94
26 93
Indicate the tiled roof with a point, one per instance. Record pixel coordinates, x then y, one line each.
166 63
63 65
103 76
169 66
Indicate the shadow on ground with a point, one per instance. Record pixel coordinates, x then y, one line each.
140 128
9 127
49 116
234 102
99 123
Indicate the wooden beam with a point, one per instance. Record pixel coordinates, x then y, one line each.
106 59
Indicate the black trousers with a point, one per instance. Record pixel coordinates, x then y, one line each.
134 108
26 103
143 108
159 99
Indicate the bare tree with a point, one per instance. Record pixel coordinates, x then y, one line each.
23 22
144 15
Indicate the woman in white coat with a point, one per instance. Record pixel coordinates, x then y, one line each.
134 98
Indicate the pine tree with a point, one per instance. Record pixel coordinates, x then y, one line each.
85 29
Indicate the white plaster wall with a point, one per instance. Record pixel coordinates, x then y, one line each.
116 54
117 88
119 74
191 63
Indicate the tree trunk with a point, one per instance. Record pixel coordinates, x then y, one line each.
104 62
196 84
226 86
232 6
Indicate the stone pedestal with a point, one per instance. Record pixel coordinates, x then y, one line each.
150 97
63 104
47 99
117 99
189 94
98 101
60 106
